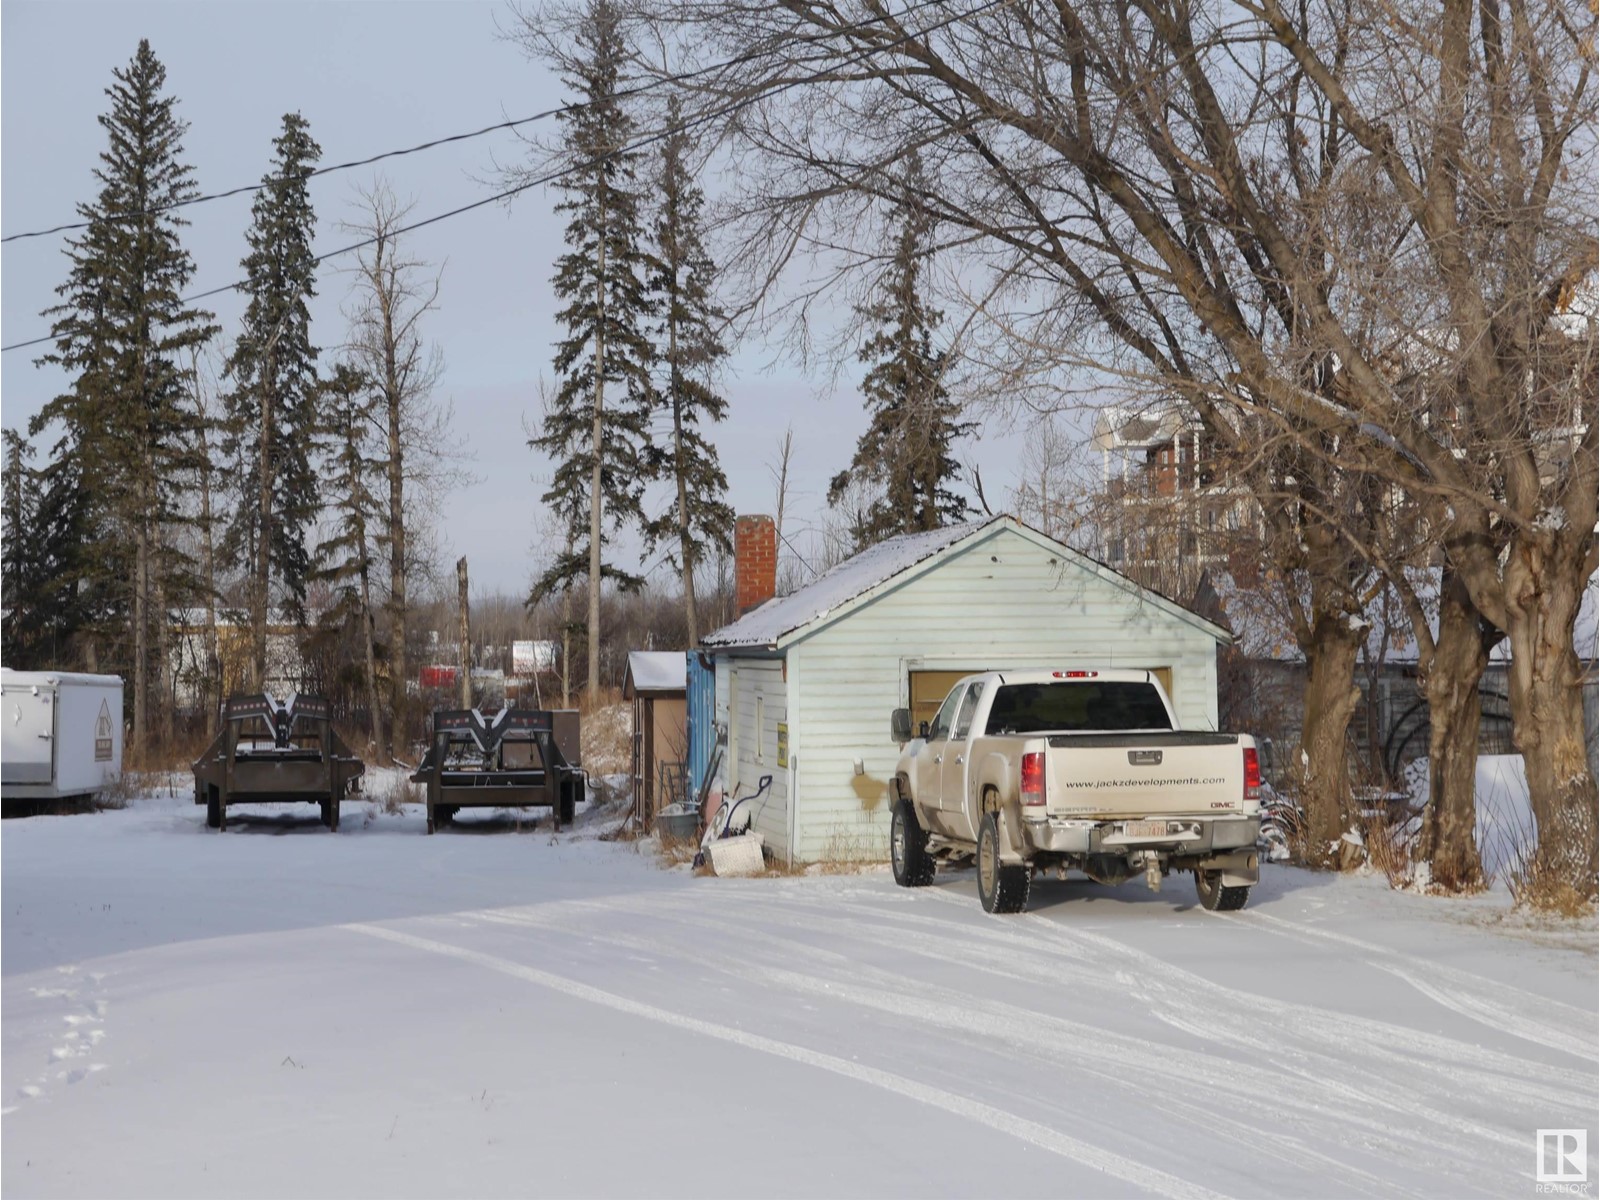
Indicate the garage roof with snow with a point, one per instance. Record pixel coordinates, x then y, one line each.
823 600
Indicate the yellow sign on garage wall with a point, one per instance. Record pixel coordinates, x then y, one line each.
783 744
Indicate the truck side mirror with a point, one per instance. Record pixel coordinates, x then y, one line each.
900 725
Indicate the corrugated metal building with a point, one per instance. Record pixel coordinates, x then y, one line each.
805 684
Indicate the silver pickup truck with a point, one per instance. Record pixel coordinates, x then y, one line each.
1080 770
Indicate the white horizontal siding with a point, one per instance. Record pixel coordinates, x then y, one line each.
1000 603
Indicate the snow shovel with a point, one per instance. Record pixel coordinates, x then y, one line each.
732 853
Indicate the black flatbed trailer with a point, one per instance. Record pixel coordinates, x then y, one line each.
514 758
272 753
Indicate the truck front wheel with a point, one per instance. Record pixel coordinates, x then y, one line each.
1214 897
1002 887
908 848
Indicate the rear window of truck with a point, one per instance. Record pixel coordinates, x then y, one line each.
1076 707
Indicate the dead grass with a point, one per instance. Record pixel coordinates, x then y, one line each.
158 755
120 791
675 852
390 791
1387 846
850 849
606 732
1546 893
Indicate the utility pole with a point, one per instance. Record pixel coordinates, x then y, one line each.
466 634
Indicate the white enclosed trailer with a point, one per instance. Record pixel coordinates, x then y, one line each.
62 734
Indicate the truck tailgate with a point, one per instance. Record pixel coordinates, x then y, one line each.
1140 774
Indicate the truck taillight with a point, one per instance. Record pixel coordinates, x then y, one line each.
1033 779
1074 674
1252 774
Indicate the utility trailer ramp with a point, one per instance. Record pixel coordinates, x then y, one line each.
272 753
515 758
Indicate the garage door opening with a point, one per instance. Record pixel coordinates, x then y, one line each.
929 688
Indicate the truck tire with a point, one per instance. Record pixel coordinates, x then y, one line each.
213 809
908 848
1002 887
1214 897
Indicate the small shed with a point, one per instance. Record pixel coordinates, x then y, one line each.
656 682
805 684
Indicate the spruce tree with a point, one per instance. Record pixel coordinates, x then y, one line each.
21 583
595 429
272 407
906 449
698 517
122 332
346 559
42 559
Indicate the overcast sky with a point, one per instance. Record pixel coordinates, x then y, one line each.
371 77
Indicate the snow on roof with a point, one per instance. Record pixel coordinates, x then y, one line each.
658 670
851 578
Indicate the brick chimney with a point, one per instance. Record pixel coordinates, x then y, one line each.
755 562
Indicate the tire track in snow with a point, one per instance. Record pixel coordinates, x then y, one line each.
1034 1134
1117 1060
1495 1016
1301 1095
1401 1067
1508 1013
1433 1051
1311 1077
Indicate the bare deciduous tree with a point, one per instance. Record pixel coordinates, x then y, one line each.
1365 254
391 295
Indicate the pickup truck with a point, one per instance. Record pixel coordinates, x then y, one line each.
1071 769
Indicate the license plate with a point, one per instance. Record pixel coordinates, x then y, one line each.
1144 829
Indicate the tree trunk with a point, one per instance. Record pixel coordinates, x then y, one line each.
370 636
1547 722
397 579
1448 842
208 564
596 501
164 652
685 543
394 399
465 633
262 575
1322 758
141 633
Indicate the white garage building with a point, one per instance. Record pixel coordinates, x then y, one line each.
805 683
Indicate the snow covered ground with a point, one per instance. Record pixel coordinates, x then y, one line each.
279 1010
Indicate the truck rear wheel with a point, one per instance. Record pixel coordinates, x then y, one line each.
908 848
1002 887
1214 897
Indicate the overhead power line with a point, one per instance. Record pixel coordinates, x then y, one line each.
758 93
499 126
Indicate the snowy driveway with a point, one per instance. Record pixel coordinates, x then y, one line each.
282 1011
